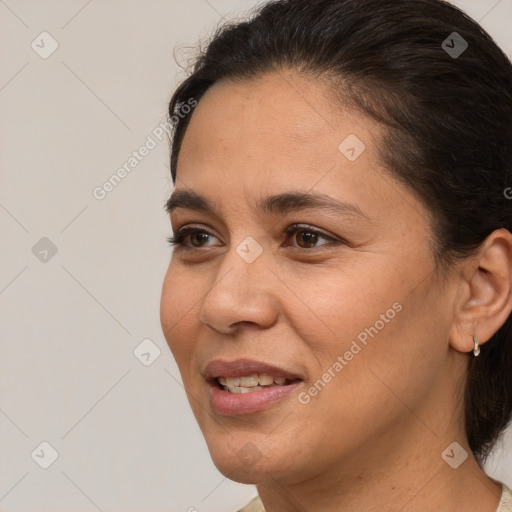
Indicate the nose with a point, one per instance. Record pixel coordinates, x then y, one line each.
242 294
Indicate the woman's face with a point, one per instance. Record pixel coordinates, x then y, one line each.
309 263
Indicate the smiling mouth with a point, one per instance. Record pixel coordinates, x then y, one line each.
252 383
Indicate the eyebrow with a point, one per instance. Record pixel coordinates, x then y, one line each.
279 204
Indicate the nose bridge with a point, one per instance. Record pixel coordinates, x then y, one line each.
244 266
241 291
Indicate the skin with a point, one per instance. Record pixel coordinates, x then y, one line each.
372 439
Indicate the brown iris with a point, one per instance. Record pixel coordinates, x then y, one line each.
306 239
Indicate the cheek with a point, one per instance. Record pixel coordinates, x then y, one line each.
382 353
177 313
380 326
355 302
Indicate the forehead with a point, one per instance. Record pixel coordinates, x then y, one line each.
276 125
257 140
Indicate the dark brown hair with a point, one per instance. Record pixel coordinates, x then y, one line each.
447 110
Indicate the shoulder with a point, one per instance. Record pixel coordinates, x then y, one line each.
505 504
255 505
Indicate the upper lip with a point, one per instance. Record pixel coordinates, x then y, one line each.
241 367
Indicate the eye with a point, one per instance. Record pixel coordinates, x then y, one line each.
191 238
305 236
308 237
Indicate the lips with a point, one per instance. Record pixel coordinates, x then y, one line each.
246 367
245 386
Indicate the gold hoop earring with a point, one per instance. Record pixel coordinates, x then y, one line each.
476 350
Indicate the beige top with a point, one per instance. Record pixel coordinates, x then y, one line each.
505 504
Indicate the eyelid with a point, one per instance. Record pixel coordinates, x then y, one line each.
298 226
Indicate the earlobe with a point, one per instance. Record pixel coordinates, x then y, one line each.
484 301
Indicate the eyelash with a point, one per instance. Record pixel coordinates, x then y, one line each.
178 240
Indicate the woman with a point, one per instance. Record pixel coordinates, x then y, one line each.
339 295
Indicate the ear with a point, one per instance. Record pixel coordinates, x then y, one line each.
484 301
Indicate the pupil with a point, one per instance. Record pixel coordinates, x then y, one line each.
197 237
307 238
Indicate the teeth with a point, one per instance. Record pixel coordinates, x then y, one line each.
265 379
232 381
240 389
249 383
232 390
249 390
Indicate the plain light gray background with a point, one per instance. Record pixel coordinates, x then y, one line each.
125 437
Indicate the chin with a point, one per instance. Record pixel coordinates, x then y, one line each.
241 460
241 475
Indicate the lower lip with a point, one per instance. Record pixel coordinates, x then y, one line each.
226 403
